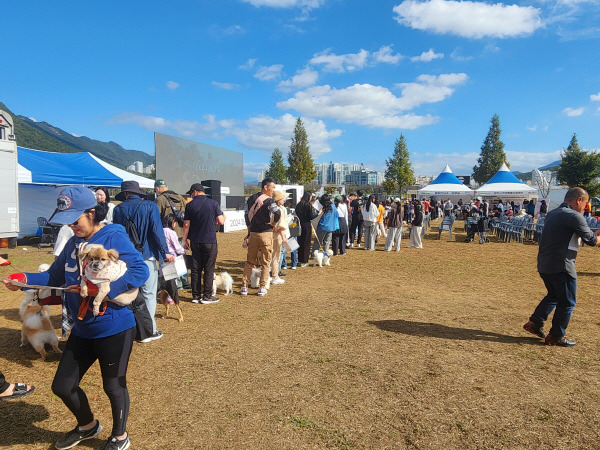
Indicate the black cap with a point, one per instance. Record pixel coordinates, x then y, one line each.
195 187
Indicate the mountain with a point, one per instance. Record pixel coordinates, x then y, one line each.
551 166
44 136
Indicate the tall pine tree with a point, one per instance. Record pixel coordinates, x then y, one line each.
492 154
579 168
277 169
301 169
399 169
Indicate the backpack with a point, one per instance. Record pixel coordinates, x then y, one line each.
132 231
179 214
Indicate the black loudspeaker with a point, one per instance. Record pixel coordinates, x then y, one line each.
212 189
293 195
235 202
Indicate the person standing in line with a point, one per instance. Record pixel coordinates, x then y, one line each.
200 235
382 214
395 217
306 214
328 223
260 217
370 213
564 229
280 236
175 248
340 236
417 226
102 196
146 218
356 225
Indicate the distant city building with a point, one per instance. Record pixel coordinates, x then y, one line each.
261 176
343 173
148 169
423 180
137 166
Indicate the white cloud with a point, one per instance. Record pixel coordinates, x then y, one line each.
351 62
595 97
251 170
226 86
266 132
533 128
375 106
267 73
248 64
340 63
303 78
286 3
457 56
427 56
172 85
385 55
468 18
262 133
526 161
573 112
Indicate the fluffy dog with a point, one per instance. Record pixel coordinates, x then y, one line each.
100 267
322 258
37 328
223 280
163 297
255 279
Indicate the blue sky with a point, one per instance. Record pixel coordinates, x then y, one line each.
237 74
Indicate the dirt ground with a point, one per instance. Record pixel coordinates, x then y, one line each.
421 349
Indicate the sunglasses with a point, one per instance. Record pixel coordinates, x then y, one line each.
74 224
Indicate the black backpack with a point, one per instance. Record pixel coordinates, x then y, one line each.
132 231
179 214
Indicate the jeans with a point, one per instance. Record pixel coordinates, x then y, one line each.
148 291
562 295
283 262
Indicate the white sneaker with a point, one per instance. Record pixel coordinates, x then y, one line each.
278 281
261 292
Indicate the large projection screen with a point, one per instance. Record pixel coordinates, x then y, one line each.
182 162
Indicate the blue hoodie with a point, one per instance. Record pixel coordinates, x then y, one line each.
330 220
65 271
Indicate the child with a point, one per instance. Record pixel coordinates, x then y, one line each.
175 248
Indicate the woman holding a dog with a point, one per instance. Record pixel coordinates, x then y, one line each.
107 337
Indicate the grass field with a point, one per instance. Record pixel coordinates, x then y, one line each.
421 349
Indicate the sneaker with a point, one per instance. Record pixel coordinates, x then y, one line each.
534 329
282 274
196 300
560 341
261 292
208 300
304 265
117 444
244 290
75 436
351 245
277 281
293 267
154 337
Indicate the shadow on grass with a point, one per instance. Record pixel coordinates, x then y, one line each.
20 429
445 332
588 274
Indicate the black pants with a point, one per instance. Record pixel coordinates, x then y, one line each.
112 353
3 383
339 243
354 224
204 257
143 321
305 242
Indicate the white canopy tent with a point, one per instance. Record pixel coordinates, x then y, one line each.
506 184
446 184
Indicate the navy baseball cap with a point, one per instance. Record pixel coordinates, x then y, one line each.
72 202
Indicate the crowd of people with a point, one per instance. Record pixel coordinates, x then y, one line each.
149 235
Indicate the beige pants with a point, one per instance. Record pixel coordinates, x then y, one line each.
276 255
260 248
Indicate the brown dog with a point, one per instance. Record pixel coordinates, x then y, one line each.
37 328
163 297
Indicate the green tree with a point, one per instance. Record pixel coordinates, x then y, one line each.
399 171
492 154
301 169
277 169
389 187
579 168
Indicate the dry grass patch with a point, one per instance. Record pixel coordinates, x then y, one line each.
417 349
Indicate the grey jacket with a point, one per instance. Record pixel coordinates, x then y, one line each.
559 243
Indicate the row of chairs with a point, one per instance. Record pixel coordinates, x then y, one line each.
518 228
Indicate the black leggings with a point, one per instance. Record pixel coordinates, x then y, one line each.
112 353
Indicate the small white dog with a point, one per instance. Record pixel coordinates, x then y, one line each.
321 258
255 279
223 280
37 328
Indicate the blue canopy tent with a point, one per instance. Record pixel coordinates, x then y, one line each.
42 175
446 184
505 183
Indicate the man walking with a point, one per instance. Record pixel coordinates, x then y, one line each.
144 216
263 213
564 229
200 235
